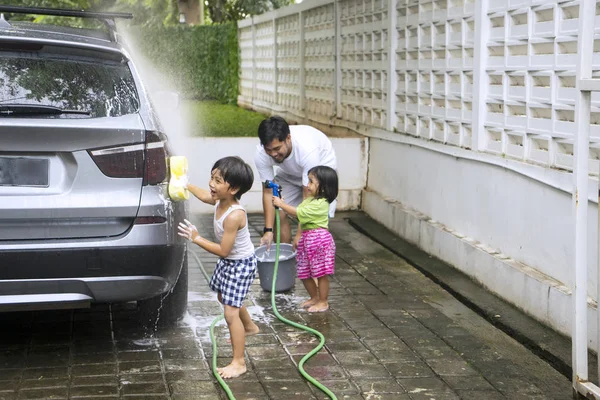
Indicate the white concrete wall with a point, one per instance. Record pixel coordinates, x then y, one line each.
508 230
203 152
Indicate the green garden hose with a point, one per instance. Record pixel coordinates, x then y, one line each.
315 332
212 338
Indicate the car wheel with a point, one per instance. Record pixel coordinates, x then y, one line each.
168 308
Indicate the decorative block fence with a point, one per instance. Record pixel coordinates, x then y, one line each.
495 76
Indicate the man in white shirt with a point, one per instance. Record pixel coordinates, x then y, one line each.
284 155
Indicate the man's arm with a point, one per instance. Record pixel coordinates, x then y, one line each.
265 172
269 212
201 194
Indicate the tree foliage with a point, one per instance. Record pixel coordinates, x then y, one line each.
148 12
90 5
220 11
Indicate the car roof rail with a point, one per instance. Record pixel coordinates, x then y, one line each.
107 17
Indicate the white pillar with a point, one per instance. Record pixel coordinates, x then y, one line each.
587 12
480 56
392 80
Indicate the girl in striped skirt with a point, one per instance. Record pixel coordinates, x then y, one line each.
315 254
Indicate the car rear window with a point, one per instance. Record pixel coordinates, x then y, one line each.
96 87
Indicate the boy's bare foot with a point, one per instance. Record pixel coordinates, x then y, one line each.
309 303
253 330
233 370
319 307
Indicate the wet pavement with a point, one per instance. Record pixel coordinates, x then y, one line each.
391 334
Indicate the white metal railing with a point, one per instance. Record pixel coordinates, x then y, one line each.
492 76
583 102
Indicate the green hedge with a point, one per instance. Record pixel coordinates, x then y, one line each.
202 61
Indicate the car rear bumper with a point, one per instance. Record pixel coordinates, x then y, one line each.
75 277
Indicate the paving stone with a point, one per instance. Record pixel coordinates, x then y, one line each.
376 386
446 367
287 389
10 374
200 375
472 383
282 362
43 383
41 373
246 388
154 377
480 394
87 391
46 394
193 387
9 386
149 388
137 367
93 358
424 384
94 380
355 357
125 356
94 369
367 371
409 369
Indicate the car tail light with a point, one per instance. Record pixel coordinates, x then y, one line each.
156 159
128 161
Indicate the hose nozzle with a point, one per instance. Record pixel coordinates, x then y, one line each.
272 185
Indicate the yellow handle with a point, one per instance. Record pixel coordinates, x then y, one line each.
178 180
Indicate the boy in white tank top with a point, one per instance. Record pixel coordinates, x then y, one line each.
236 268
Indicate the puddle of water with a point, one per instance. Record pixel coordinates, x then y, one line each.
148 342
195 296
200 325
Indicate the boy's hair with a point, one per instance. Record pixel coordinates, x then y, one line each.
328 182
236 173
273 128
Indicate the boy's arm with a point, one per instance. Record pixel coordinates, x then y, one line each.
201 194
232 223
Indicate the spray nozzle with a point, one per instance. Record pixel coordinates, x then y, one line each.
272 185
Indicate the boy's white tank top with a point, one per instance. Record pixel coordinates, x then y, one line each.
242 247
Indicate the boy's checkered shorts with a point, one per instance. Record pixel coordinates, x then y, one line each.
232 278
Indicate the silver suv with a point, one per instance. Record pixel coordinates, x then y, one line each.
84 214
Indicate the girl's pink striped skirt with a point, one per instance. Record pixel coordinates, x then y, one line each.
315 254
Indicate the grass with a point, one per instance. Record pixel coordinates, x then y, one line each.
214 119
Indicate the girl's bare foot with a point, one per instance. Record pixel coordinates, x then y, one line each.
250 331
309 303
319 307
233 370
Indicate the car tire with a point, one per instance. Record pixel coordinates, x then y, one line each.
167 308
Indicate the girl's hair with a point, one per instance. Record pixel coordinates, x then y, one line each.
328 182
236 173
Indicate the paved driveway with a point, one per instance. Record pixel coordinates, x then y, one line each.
391 334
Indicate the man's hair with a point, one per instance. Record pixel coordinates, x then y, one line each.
328 182
273 128
236 173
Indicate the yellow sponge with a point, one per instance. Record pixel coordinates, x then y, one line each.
178 181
